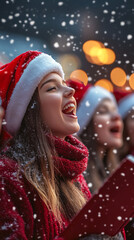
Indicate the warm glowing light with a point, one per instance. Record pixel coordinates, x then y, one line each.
106 55
79 75
88 45
69 62
118 76
96 53
93 59
105 84
131 81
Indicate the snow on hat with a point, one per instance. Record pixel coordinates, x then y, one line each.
126 104
88 98
18 81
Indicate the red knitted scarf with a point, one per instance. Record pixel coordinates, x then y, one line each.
72 157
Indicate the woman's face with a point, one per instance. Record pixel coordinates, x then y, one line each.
129 125
58 106
108 125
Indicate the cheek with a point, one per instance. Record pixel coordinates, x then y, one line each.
50 109
102 135
101 129
100 124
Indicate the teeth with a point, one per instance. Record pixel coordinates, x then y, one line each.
69 105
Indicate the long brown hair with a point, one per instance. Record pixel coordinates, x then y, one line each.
31 149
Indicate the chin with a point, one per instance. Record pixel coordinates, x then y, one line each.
73 129
117 144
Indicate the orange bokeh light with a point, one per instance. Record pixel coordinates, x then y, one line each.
79 75
105 84
88 45
106 56
96 53
118 76
91 49
93 59
131 81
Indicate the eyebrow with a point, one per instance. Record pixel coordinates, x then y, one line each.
102 106
105 107
50 80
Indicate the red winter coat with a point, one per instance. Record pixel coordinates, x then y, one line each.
23 215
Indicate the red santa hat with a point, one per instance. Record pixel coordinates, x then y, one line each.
18 81
120 94
88 98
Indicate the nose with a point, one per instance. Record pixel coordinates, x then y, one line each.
69 92
116 116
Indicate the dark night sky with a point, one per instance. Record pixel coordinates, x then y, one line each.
62 27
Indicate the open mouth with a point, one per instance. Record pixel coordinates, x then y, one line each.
115 129
69 109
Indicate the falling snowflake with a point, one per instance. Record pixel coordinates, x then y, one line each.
129 36
56 45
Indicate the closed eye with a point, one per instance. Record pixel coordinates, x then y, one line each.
102 111
51 89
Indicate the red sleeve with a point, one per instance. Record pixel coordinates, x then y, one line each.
16 216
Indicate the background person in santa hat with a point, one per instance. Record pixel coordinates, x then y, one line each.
126 110
100 130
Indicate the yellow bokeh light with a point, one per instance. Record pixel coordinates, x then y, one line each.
131 81
93 59
88 45
96 53
105 84
79 75
106 55
118 76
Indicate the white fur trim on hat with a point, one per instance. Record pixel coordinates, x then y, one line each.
39 67
89 103
125 105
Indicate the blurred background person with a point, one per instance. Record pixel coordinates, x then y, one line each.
100 130
126 110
